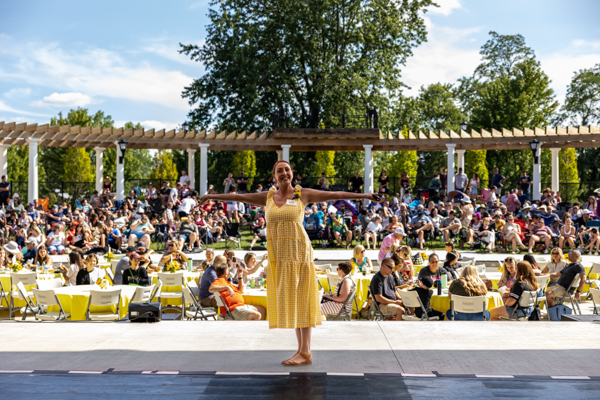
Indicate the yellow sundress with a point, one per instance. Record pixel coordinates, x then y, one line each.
292 289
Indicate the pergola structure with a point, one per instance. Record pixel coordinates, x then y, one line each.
284 140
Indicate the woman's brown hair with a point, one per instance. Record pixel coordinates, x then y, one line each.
525 274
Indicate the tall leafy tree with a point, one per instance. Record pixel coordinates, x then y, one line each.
263 55
78 171
508 90
582 102
244 160
163 167
325 163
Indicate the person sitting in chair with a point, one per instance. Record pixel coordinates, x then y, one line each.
260 233
136 274
424 291
566 277
383 290
232 296
332 303
91 273
468 285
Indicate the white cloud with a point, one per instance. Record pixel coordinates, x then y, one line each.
6 108
447 55
586 44
17 93
446 7
64 100
158 125
199 4
164 48
19 120
562 65
96 72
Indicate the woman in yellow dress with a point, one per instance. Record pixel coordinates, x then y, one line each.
292 290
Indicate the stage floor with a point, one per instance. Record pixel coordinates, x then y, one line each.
423 349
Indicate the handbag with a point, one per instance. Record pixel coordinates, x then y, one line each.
556 311
536 315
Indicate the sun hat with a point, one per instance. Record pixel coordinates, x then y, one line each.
586 211
12 247
16 196
31 239
466 200
399 231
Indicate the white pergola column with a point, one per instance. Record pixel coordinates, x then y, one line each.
555 169
203 168
537 174
120 174
460 159
286 152
368 186
99 168
4 160
32 192
451 147
192 168
279 155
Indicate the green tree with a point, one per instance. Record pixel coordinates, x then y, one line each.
475 163
78 170
262 55
346 163
582 102
325 163
163 167
508 90
244 160
569 176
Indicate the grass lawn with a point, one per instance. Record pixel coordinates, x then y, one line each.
247 236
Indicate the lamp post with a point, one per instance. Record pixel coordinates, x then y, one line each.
536 145
464 126
185 126
121 146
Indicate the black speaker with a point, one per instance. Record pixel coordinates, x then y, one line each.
145 312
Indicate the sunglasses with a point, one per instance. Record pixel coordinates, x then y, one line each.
556 254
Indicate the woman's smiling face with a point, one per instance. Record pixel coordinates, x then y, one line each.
283 174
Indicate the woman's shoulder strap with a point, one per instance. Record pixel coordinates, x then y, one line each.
271 192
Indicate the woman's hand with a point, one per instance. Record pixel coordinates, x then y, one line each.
376 197
204 199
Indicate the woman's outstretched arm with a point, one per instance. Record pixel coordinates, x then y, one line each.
259 199
317 196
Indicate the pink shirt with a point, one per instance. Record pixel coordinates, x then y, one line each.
387 242
511 202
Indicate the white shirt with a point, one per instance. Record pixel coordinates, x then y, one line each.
97 273
58 239
187 204
151 192
72 271
373 227
173 194
184 180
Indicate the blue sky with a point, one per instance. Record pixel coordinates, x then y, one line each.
121 56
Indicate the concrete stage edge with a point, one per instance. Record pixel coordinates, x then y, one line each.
429 348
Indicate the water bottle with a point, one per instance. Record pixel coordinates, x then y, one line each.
439 287
189 265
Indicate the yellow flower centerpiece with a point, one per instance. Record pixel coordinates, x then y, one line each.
103 283
566 256
16 266
424 256
172 266
109 256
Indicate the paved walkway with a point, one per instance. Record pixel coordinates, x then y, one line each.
508 349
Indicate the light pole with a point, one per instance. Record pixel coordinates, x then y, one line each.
464 126
185 126
536 146
121 146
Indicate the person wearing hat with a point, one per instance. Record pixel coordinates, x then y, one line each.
424 291
13 252
144 252
31 252
547 215
525 212
450 226
260 232
4 191
393 238
136 274
420 225
11 203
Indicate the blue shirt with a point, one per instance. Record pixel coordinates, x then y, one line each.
116 233
207 279
548 218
